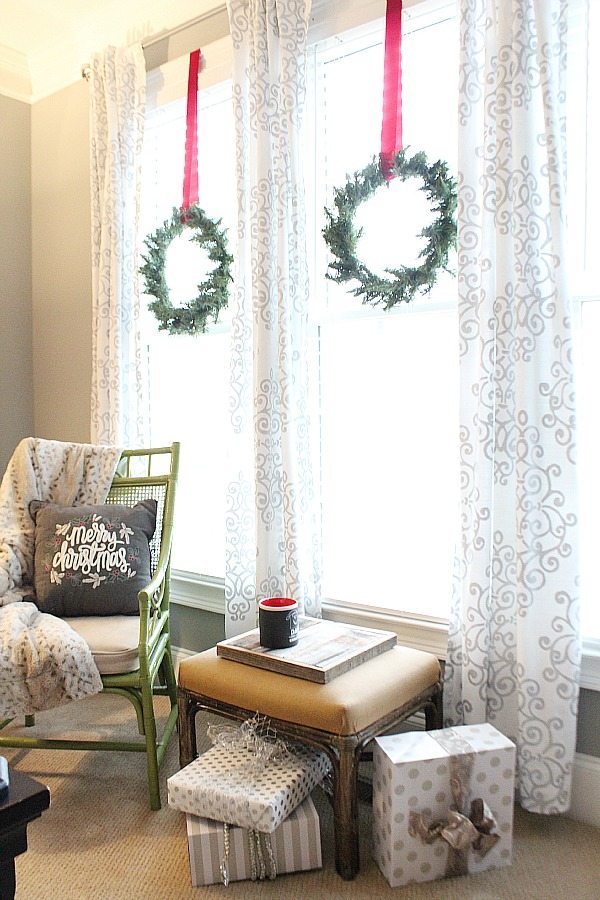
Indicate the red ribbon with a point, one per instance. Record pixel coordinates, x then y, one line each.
190 172
391 121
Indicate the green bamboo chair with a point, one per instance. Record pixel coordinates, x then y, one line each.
140 474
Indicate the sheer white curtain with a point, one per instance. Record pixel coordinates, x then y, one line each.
271 544
514 650
117 108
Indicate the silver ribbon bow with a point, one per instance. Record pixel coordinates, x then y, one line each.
259 738
462 831
256 735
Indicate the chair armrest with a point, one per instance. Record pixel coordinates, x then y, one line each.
149 627
155 582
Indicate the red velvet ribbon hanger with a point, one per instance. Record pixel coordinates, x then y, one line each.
190 172
391 119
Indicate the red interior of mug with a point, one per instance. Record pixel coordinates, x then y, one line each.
277 602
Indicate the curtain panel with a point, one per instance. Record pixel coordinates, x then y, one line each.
119 371
271 535
514 647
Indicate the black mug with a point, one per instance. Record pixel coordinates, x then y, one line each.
278 622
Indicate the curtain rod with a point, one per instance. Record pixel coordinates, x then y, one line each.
216 11
162 36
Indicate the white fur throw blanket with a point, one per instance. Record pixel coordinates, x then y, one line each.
43 661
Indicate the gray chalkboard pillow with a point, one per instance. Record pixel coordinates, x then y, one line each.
91 560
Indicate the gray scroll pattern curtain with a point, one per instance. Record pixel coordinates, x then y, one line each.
119 408
271 535
514 647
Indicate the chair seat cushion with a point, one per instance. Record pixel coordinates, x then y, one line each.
113 641
345 706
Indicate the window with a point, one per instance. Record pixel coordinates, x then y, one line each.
583 143
388 381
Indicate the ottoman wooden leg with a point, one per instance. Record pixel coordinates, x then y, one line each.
188 749
434 710
345 811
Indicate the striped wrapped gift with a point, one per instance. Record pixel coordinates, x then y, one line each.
296 846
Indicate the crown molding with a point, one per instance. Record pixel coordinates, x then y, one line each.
56 67
55 63
15 78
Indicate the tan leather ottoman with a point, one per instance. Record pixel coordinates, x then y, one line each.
340 717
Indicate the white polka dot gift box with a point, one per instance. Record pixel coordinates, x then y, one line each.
442 803
294 846
228 785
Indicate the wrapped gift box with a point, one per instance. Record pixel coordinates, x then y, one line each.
296 846
229 786
416 834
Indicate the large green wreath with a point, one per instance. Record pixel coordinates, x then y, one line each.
213 292
342 236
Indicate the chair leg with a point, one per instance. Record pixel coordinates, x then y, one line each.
345 812
151 749
168 672
188 747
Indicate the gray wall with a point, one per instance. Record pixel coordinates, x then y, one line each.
588 723
195 629
61 264
16 364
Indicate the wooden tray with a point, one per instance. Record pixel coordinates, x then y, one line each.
324 650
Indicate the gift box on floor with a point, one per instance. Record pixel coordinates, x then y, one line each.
295 846
226 784
442 802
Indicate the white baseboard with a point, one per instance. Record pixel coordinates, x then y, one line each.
585 791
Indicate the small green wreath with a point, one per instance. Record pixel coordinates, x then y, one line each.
342 237
213 292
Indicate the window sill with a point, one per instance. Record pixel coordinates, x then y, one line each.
208 593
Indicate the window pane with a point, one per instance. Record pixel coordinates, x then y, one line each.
348 115
189 374
389 460
592 236
589 457
189 404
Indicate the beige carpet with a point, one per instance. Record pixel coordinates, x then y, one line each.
99 840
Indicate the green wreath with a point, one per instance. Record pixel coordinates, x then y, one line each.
342 237
213 292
